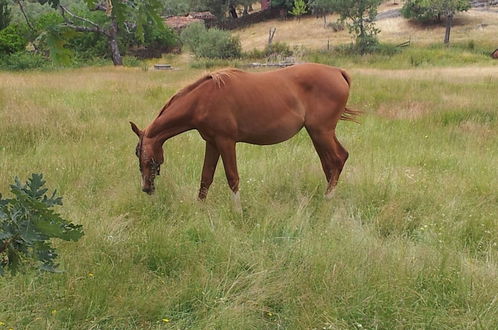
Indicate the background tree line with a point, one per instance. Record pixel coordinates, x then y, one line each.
81 30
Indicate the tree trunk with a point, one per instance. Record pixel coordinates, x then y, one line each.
449 21
233 11
113 43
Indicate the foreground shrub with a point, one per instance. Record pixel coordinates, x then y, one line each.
212 43
28 223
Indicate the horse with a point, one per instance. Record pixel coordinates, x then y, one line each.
262 108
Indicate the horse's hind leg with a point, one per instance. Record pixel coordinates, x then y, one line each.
211 157
332 155
343 157
226 148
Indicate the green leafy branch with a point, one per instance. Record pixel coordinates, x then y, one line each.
27 225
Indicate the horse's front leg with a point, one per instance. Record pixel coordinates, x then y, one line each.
211 157
226 147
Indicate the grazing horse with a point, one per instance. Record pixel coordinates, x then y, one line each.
231 106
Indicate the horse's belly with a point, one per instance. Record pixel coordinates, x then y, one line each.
260 132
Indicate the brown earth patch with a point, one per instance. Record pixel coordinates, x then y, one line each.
478 129
411 110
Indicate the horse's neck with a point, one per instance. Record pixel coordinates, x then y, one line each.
171 122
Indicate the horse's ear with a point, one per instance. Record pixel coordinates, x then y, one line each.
135 129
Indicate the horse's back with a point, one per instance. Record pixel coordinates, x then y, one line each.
271 107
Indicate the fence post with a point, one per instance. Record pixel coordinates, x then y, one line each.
271 34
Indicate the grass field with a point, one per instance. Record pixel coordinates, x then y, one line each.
409 240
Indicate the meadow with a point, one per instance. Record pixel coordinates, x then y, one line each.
408 242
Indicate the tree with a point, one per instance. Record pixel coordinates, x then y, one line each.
432 10
300 8
358 15
117 16
5 16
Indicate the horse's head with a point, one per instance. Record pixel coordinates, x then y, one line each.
150 158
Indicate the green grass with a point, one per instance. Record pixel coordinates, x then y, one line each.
409 240
389 56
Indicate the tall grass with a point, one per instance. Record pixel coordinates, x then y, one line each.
409 240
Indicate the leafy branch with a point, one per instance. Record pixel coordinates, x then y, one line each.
27 225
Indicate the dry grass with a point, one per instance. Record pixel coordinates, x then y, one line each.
449 74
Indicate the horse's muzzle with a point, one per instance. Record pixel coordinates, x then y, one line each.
148 190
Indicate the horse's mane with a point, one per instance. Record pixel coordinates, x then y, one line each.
219 78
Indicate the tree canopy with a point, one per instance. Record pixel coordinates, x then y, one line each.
118 22
358 15
433 10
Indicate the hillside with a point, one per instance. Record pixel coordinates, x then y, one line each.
476 24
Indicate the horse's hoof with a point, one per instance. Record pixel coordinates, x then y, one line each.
330 194
236 203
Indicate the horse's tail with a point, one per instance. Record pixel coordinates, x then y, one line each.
349 114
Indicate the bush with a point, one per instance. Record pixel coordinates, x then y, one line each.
23 61
132 61
159 38
11 40
212 43
28 223
366 44
280 49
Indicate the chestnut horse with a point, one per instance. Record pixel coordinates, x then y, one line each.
231 106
